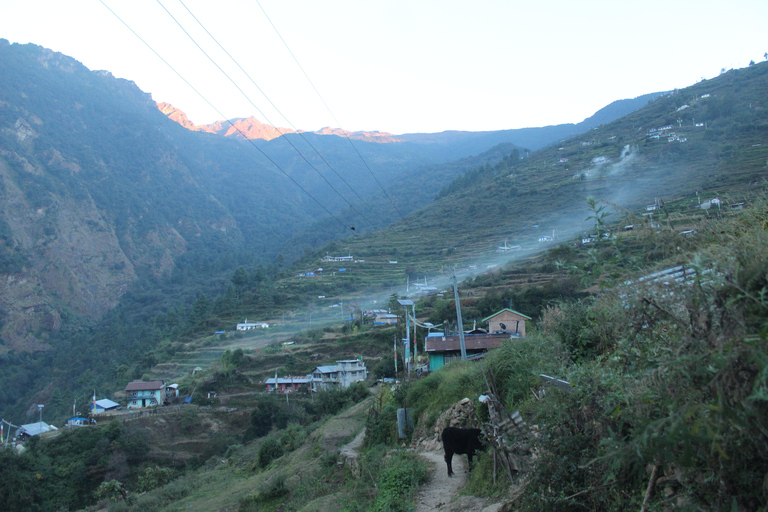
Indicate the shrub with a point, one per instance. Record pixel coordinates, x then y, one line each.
587 328
153 477
402 474
269 450
293 437
113 490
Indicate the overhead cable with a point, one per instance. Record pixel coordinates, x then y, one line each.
279 112
230 122
402 217
264 115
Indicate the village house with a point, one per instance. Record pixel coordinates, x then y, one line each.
247 326
443 349
507 321
502 326
103 405
76 421
34 429
339 376
172 391
145 394
288 384
382 317
338 258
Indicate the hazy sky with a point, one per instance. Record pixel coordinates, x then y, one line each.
401 66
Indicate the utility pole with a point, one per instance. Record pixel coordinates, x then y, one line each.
415 344
395 345
458 317
405 303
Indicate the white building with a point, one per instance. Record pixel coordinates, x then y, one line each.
247 326
338 258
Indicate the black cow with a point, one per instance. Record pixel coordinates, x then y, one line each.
461 441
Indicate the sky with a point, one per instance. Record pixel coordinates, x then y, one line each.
397 66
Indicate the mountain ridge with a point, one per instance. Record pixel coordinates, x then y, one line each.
251 128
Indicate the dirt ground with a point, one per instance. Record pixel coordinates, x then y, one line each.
442 492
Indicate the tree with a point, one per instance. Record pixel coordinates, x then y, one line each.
240 280
113 490
598 215
227 303
201 310
269 451
393 304
233 358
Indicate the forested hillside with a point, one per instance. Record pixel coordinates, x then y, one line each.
129 241
112 214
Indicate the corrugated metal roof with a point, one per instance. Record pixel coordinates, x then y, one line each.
106 403
289 380
503 310
34 429
326 369
145 386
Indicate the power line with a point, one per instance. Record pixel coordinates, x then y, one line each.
230 122
260 112
402 217
278 111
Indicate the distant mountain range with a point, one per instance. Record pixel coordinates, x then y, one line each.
252 128
463 143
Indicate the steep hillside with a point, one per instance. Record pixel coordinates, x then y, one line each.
708 140
98 187
101 189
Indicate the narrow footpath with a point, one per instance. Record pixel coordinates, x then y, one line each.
441 492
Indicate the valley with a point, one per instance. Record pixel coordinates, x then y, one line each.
132 247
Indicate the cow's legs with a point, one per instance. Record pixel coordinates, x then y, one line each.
448 458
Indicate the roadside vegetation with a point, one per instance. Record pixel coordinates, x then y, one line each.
668 380
666 409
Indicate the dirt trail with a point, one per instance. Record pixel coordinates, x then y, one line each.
442 492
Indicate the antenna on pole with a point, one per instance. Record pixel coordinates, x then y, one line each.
458 317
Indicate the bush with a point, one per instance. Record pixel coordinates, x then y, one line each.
269 450
293 437
153 477
587 328
402 474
